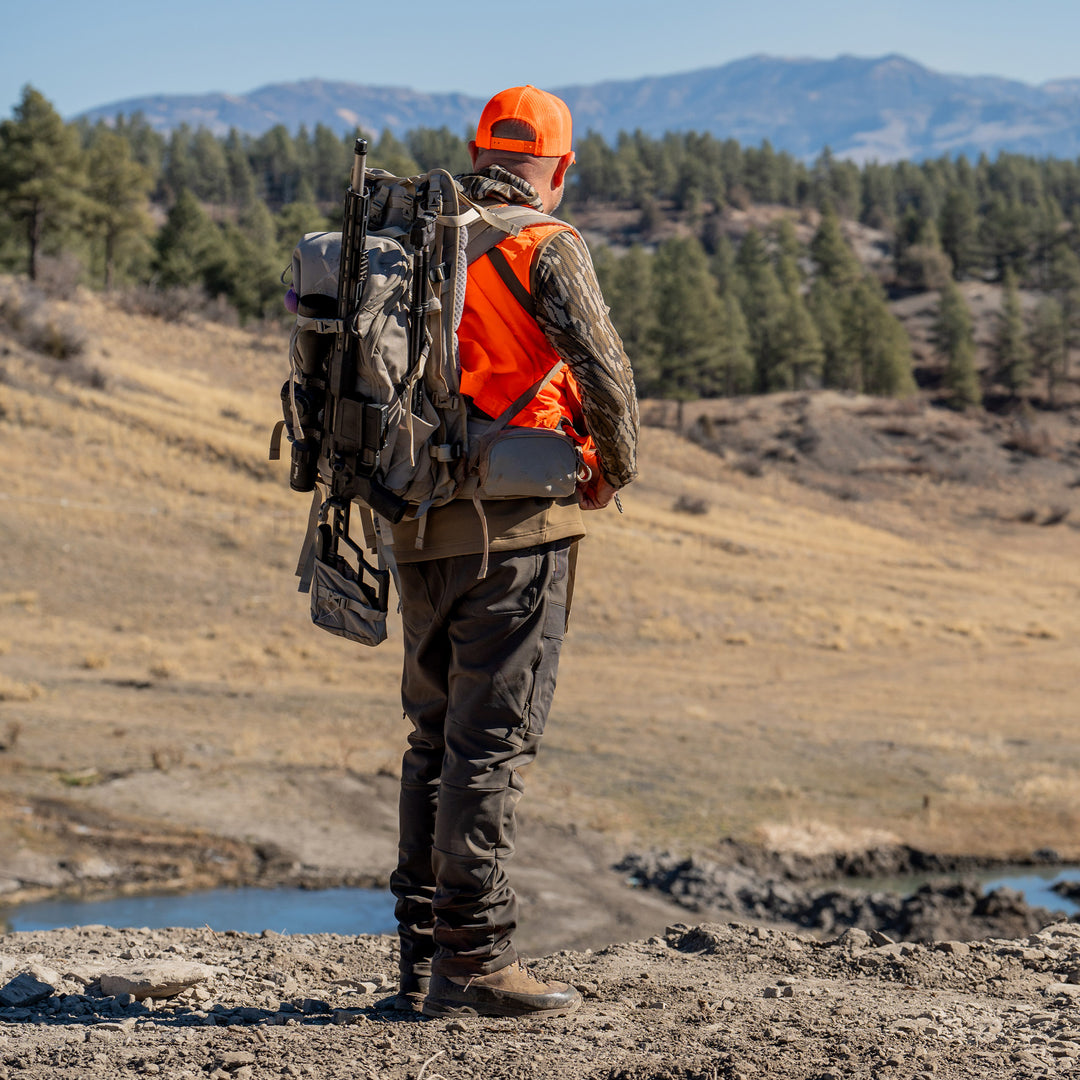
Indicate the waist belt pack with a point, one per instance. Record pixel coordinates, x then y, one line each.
521 462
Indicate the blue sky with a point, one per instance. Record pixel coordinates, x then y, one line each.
85 54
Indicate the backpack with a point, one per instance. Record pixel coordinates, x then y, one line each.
396 437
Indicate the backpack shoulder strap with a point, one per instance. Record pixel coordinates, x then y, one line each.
508 221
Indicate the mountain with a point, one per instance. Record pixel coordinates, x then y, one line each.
886 108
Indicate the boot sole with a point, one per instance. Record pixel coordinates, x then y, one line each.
436 1009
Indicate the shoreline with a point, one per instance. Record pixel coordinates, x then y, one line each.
103 858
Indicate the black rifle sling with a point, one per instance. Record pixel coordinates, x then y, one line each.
510 280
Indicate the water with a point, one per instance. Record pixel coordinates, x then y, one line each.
1035 883
371 911
288 911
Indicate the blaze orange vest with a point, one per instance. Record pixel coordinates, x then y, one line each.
503 350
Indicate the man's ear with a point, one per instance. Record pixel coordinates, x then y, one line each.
474 151
559 175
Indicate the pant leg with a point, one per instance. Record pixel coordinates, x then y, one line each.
424 688
481 658
506 632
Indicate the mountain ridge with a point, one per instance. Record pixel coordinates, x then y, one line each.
884 108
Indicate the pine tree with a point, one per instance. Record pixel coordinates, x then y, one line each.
689 322
831 253
275 161
959 230
40 173
117 188
722 264
837 371
735 361
210 169
330 165
1047 342
438 148
628 286
191 249
391 154
923 263
242 184
954 338
253 263
178 169
799 346
147 145
765 307
799 343
1012 356
788 253
292 221
877 343
1064 282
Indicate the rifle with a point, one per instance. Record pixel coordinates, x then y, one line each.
354 431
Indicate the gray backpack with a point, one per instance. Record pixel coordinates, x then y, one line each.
395 437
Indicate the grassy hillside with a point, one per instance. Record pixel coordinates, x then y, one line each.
820 652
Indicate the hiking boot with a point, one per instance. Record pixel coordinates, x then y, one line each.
413 987
510 991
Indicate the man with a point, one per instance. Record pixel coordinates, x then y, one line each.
484 597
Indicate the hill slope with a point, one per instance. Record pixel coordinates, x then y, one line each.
791 641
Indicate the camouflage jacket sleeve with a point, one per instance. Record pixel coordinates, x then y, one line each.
571 311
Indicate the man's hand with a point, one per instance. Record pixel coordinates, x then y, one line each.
595 494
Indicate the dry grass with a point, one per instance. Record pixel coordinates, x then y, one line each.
788 666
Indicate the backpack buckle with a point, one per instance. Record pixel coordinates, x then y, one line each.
447 451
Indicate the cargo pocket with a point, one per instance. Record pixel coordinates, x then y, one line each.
556 615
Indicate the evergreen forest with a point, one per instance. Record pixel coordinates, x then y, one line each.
711 299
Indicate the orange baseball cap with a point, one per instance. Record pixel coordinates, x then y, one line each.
548 116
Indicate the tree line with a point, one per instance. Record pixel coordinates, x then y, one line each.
757 319
700 315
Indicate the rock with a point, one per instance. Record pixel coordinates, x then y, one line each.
25 990
154 979
879 939
854 938
954 948
121 1025
236 1060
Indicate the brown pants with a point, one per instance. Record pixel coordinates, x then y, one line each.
481 657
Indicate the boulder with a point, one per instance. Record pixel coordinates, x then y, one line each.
24 990
154 978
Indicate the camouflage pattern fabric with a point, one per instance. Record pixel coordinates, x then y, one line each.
570 309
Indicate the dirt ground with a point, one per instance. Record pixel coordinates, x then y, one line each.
824 623
712 1001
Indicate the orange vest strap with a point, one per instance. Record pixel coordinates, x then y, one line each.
510 280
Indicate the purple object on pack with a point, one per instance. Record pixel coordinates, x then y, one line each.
291 300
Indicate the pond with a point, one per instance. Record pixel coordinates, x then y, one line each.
371 911
1035 883
288 911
